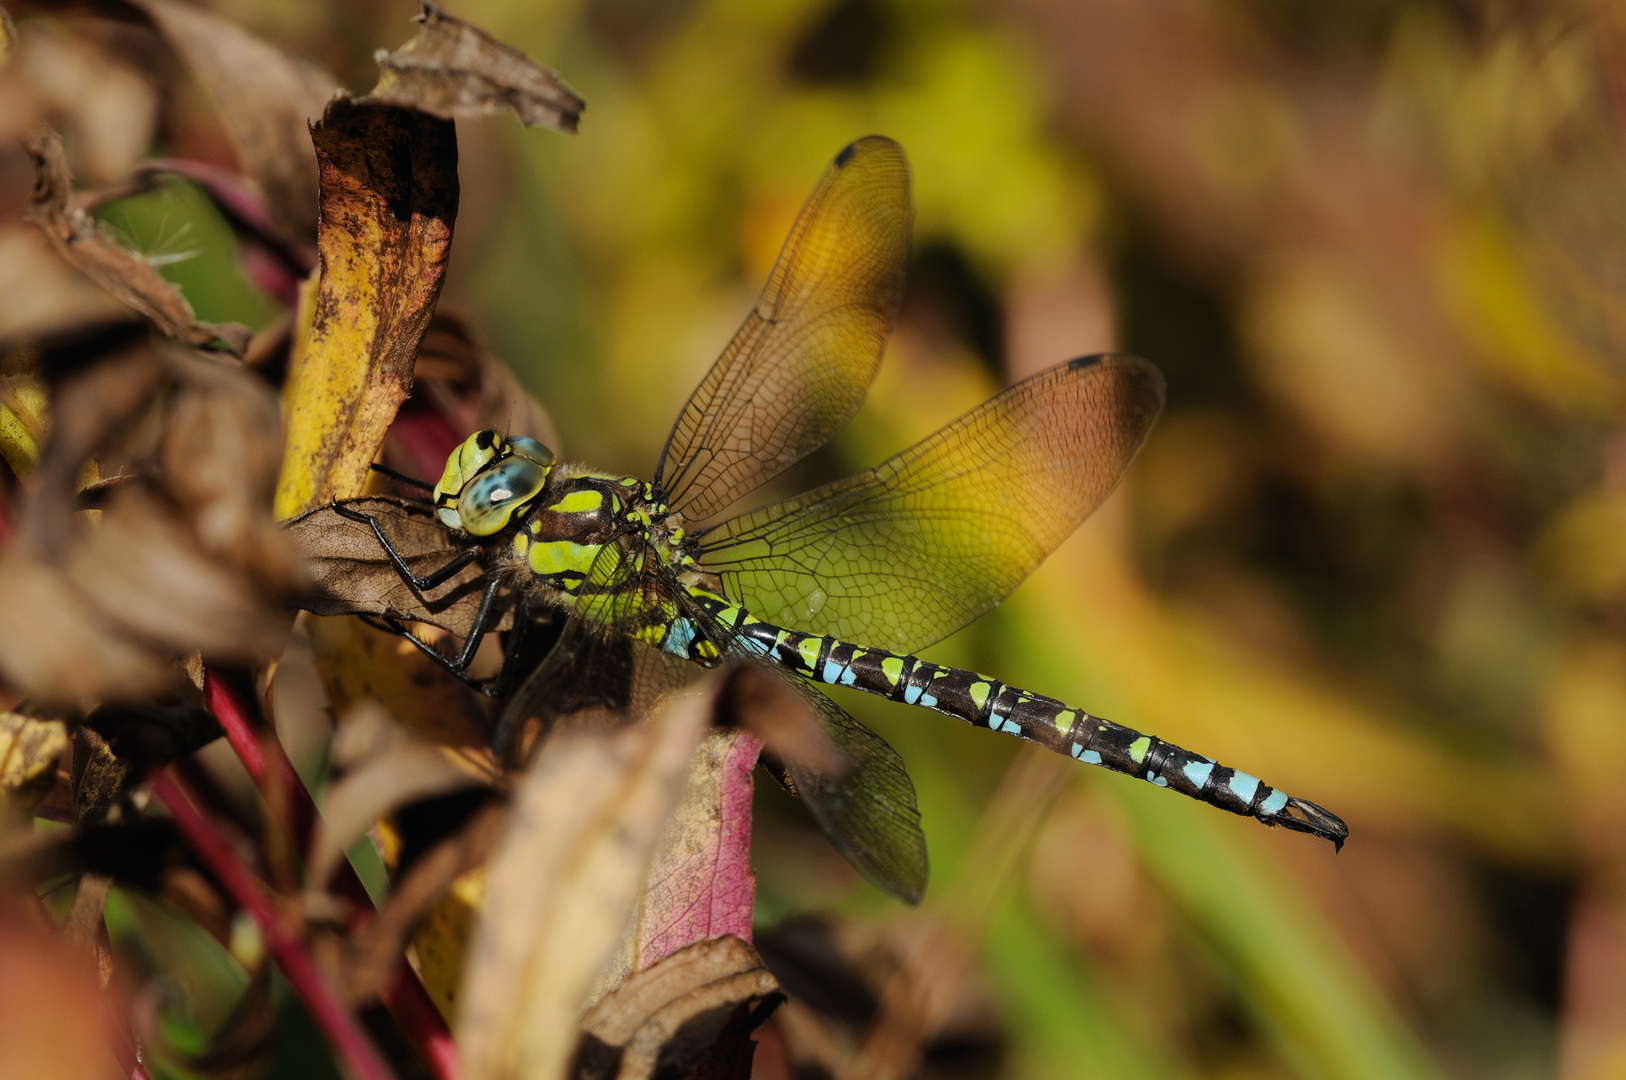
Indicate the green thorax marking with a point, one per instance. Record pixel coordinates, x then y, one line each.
570 523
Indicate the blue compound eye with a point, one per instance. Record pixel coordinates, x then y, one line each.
529 449
487 504
462 465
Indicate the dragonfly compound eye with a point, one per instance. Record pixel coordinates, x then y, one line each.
487 504
529 449
462 465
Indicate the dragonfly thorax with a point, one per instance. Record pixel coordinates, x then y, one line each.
578 515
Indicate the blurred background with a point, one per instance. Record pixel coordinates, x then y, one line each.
1375 551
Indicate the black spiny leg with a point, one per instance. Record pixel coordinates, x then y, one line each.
471 644
430 580
482 614
402 478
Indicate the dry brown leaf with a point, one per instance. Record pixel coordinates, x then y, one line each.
388 197
358 662
219 457
30 747
100 777
90 250
419 893
352 576
83 923
665 1018
183 558
562 885
89 404
109 108
58 649
457 71
383 767
266 97
45 296
149 575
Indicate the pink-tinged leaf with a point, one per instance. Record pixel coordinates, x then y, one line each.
700 882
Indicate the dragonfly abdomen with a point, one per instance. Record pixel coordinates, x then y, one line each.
1055 725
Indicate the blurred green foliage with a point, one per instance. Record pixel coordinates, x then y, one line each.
177 229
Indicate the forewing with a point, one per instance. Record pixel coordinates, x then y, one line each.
801 364
910 551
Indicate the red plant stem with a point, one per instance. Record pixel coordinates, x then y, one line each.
349 1042
240 732
262 755
416 1013
420 1018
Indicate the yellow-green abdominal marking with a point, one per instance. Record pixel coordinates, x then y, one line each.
986 702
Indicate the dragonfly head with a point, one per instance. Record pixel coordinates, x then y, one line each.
488 479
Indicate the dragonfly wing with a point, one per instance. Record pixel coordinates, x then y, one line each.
799 367
903 555
595 672
868 812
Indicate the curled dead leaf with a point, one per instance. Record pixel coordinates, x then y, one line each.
30 747
383 767
662 1020
101 778
266 98
184 557
351 575
456 71
388 201
88 248
563 882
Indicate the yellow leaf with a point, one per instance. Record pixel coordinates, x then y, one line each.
388 200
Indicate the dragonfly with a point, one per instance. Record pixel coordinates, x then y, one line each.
840 586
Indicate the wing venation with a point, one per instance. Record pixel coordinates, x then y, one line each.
800 365
910 551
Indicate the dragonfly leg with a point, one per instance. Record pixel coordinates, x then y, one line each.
428 581
459 665
401 477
